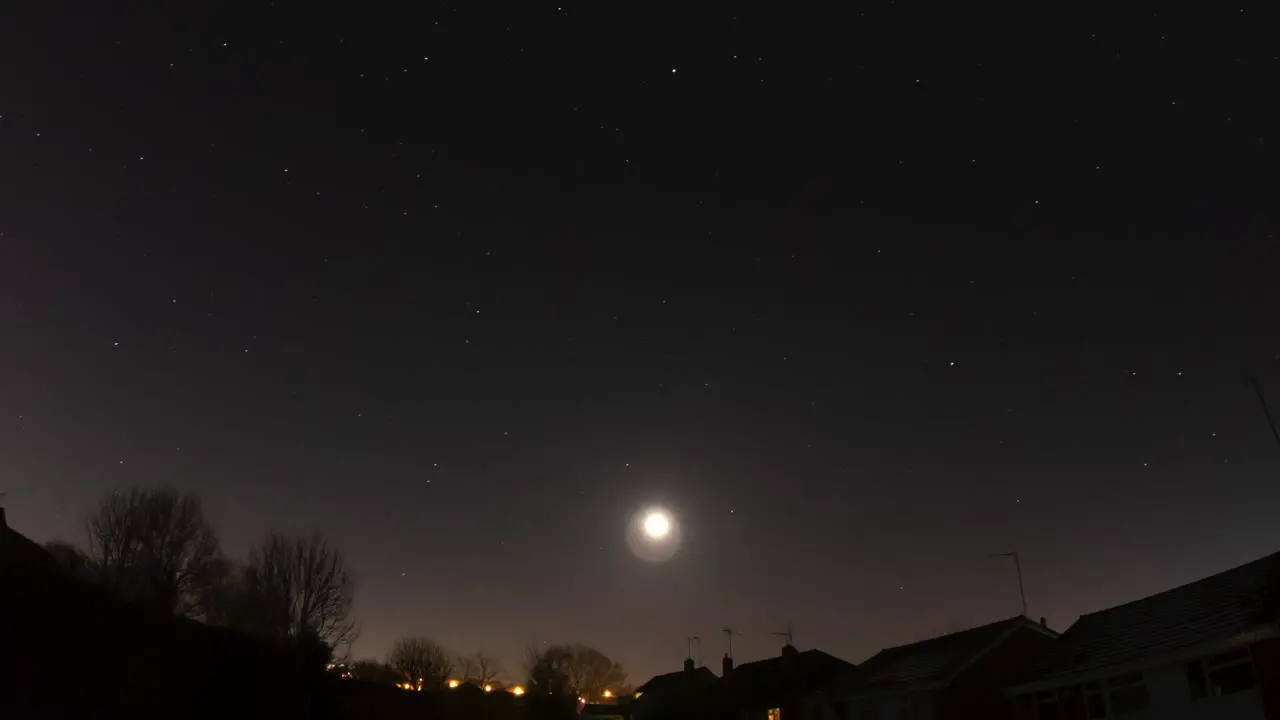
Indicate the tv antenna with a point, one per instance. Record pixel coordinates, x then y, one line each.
728 634
788 634
1017 564
1262 399
689 641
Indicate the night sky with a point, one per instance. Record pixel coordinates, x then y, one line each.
861 298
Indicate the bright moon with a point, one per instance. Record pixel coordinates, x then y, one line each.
654 533
657 525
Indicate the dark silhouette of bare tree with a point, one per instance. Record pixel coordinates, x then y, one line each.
478 668
487 669
421 661
295 590
154 546
578 670
375 672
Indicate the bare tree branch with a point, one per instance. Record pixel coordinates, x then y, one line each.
154 546
422 661
583 671
296 590
478 668
487 669
465 666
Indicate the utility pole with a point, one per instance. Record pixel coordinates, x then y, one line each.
1265 410
1017 564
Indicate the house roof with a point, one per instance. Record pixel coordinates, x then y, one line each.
20 549
929 662
775 681
1216 608
678 681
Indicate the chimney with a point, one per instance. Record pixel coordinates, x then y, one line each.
726 666
1044 624
688 665
3 524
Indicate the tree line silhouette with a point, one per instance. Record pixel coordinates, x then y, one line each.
154 547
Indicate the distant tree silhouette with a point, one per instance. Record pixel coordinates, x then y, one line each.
479 669
154 546
465 667
421 659
547 687
578 670
546 671
375 672
294 590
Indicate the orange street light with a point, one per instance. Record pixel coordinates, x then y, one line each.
453 683
517 690
488 688
608 693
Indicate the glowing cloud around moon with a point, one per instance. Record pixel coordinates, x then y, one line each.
653 534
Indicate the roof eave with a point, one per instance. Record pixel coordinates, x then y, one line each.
1072 677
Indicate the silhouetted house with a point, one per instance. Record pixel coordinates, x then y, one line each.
953 677
1207 650
772 689
17 550
675 694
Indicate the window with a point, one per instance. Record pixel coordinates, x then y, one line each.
1126 694
1223 674
1095 700
1101 699
775 713
1047 705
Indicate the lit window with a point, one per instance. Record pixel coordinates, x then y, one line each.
775 713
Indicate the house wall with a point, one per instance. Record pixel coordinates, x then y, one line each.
1170 695
1266 665
978 691
1171 699
917 706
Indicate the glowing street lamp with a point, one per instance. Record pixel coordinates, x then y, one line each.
517 690
488 688
453 684
608 693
